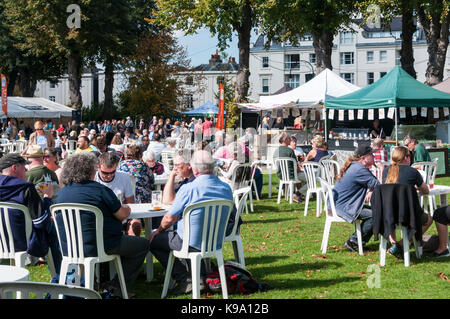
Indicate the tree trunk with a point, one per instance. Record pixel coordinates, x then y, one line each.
436 34
323 47
74 67
408 29
27 84
109 84
12 78
244 30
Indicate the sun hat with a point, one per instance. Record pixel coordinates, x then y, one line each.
34 151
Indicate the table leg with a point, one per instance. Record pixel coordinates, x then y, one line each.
443 200
148 269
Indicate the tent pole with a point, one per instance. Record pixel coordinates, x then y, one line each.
325 129
396 127
261 135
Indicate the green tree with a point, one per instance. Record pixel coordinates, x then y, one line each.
291 19
221 18
434 18
153 88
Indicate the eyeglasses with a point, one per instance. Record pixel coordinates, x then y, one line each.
108 173
39 129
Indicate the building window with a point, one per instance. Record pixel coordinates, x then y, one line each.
292 62
369 56
52 85
312 58
293 80
189 80
189 101
382 74
52 98
347 58
383 56
348 77
306 37
265 85
397 57
370 78
346 38
265 62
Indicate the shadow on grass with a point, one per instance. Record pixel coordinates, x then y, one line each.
268 220
295 284
295 268
263 259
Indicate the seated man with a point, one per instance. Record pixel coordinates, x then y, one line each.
156 146
351 190
420 152
78 177
379 156
120 183
181 169
14 189
83 144
38 173
206 186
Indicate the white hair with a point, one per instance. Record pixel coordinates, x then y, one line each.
203 162
148 156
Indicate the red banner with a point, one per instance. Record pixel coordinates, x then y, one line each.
219 124
4 94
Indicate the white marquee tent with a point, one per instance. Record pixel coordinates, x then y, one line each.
35 107
314 92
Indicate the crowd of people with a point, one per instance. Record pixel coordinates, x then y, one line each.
115 164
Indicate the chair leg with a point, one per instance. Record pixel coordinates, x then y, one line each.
223 278
167 276
359 235
308 193
326 233
63 272
256 190
89 272
280 189
291 192
238 250
318 204
405 246
195 272
251 200
417 248
120 275
383 244
51 264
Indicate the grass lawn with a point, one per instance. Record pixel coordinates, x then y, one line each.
282 249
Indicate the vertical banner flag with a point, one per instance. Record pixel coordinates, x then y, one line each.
381 114
4 94
219 124
402 113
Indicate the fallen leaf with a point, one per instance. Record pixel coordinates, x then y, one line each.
443 276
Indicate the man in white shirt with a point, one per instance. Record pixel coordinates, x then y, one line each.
156 146
120 184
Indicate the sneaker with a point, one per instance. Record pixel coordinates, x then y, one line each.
396 250
353 246
185 287
445 253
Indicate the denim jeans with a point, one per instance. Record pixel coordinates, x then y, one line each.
366 226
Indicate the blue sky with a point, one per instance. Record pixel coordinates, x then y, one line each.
200 46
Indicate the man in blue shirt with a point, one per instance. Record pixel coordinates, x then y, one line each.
354 187
205 186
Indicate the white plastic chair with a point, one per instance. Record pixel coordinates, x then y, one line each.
332 217
70 221
428 171
7 249
240 198
406 258
331 170
39 290
252 180
212 242
167 159
379 170
312 170
242 181
71 145
284 164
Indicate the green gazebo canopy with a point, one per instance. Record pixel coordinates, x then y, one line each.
395 89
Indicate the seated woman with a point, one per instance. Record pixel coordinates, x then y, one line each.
239 157
400 172
319 149
142 174
150 159
117 145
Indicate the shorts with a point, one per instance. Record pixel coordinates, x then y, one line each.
424 218
442 215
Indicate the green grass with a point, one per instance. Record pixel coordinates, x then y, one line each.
282 249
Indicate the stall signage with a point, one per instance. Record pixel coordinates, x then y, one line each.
391 112
331 114
423 111
341 115
446 112
402 112
436 112
413 111
360 114
351 115
370 116
381 114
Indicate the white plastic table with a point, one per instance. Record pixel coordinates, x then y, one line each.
442 191
13 273
146 212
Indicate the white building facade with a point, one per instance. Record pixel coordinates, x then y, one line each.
360 57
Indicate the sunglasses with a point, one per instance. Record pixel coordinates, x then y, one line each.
108 173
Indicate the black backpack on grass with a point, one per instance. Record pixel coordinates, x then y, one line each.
239 280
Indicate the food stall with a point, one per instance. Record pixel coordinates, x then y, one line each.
399 101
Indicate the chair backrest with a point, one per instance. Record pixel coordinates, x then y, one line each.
44 290
71 145
213 211
73 232
4 141
328 191
312 169
21 145
7 249
429 169
285 165
133 185
242 175
331 170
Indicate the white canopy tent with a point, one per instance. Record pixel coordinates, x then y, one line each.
35 107
313 93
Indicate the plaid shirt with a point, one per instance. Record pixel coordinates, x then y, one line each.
380 155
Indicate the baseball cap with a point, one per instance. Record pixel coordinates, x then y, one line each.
34 151
362 150
11 159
